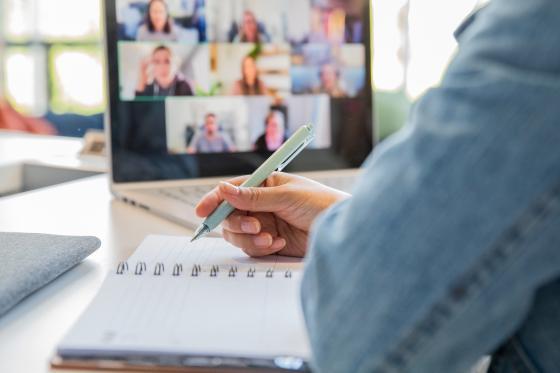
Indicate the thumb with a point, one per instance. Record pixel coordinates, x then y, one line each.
267 199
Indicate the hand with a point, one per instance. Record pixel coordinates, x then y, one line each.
144 75
274 218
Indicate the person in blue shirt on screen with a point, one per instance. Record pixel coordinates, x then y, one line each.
211 140
449 246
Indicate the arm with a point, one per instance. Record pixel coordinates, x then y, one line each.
236 89
228 143
142 33
262 88
143 77
192 148
433 262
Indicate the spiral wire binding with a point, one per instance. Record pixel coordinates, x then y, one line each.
159 269
177 270
196 271
140 268
214 271
122 268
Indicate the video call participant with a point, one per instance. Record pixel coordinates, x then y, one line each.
274 134
164 83
158 25
249 31
211 140
330 75
318 32
250 83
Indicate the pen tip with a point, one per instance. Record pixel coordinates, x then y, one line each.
200 232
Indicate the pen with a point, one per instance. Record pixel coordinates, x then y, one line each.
277 162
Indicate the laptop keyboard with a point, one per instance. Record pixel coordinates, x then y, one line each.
191 195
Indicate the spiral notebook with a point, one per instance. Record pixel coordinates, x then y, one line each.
206 303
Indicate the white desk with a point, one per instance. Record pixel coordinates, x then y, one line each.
29 333
33 161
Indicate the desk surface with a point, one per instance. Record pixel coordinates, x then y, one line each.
30 332
20 149
16 147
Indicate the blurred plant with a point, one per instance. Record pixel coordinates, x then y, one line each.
213 91
256 52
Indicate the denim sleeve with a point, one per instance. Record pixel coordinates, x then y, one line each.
454 223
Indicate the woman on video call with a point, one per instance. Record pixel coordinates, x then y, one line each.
329 76
274 132
250 83
158 25
157 78
249 31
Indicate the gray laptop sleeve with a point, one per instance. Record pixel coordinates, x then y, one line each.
30 261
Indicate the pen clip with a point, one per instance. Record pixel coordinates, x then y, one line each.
295 153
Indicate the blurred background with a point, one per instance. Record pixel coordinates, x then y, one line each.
51 65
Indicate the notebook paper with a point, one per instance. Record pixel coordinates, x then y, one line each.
206 298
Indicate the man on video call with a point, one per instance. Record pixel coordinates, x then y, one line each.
211 140
449 246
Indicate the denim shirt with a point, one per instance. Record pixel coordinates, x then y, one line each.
450 245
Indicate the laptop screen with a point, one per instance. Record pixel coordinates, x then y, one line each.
202 88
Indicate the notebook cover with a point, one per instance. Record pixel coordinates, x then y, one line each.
60 365
30 261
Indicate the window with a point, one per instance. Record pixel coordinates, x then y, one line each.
52 60
413 45
414 41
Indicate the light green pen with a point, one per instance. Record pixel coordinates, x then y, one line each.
277 162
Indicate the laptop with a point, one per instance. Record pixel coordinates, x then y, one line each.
202 90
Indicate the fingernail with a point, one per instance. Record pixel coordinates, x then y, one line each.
229 188
249 227
263 240
279 244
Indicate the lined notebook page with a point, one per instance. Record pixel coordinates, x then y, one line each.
205 298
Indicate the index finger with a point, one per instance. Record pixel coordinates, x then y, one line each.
213 199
